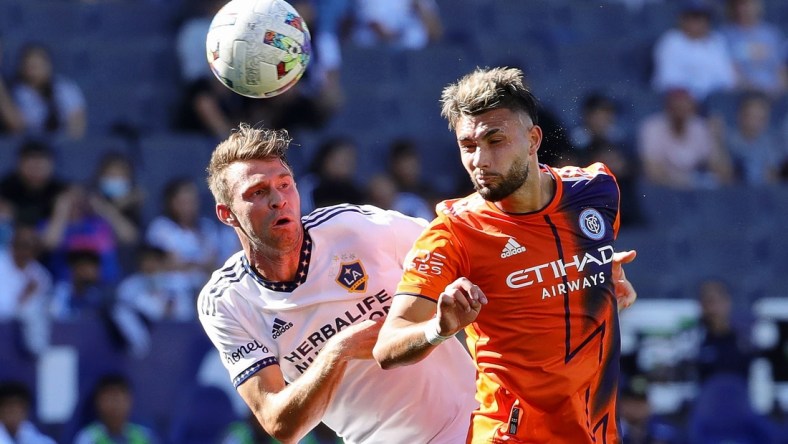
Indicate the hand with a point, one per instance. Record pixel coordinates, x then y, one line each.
459 305
357 341
624 291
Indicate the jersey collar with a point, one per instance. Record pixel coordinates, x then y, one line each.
301 272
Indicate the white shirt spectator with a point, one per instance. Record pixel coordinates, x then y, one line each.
27 434
702 66
68 99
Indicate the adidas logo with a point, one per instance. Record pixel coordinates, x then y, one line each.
511 248
280 327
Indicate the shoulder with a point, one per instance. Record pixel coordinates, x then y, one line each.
459 208
223 283
351 217
597 170
595 181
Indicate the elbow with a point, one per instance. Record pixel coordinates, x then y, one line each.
383 358
284 433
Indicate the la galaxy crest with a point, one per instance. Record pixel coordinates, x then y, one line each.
352 276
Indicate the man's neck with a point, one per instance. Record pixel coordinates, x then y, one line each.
534 195
276 265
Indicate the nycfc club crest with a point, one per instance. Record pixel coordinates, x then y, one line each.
592 224
352 276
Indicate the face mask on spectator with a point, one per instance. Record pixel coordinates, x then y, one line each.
115 187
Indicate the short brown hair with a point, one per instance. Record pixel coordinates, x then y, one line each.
486 89
245 143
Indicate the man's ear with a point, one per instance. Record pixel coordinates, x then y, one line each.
535 134
225 214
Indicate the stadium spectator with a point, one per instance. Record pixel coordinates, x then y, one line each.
757 48
382 192
755 149
723 413
51 105
10 116
154 292
150 295
693 56
405 167
332 176
598 138
722 344
115 182
15 424
86 222
548 388
639 425
83 296
32 187
27 288
678 148
190 240
403 24
113 400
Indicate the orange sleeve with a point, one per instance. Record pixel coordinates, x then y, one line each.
436 260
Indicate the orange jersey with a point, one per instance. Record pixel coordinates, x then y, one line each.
546 345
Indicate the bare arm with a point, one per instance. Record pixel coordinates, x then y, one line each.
289 412
403 338
56 227
124 228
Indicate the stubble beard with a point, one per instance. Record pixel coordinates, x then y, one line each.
511 181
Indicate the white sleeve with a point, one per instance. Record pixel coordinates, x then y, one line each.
241 353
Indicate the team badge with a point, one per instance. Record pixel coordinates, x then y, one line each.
592 224
352 276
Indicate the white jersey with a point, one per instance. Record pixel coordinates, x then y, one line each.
351 263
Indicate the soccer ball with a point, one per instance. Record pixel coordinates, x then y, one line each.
258 48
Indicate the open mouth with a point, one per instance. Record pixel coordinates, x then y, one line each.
282 221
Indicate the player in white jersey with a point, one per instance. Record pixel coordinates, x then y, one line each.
322 283
319 284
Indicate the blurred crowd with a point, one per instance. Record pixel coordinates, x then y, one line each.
75 250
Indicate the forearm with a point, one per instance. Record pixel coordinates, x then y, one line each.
401 343
291 413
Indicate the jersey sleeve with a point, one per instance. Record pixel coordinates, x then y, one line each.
435 260
242 354
600 170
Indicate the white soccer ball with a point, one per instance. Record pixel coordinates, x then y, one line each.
258 48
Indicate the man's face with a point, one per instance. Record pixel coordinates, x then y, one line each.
265 203
495 148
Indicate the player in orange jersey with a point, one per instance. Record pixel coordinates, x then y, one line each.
525 265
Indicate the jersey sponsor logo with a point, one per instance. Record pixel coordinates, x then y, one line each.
427 262
592 224
352 276
558 268
244 351
511 248
370 307
280 327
